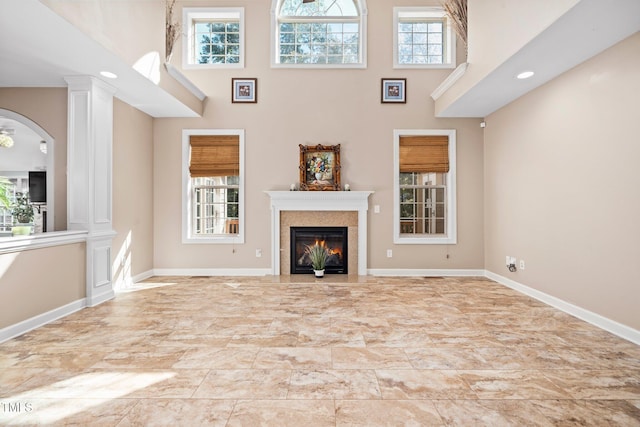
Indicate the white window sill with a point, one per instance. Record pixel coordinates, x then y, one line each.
321 66
424 66
208 66
207 240
425 240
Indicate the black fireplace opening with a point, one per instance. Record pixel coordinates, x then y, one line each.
333 238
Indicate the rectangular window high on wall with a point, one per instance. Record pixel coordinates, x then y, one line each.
424 212
213 38
423 38
213 186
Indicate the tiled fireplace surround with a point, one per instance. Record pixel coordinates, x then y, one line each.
319 208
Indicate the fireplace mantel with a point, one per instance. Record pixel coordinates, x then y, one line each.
319 201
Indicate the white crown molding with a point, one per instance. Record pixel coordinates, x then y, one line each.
184 81
449 81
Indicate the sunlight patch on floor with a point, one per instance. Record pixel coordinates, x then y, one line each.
55 402
141 286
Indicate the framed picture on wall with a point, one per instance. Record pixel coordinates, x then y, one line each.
394 91
244 90
320 167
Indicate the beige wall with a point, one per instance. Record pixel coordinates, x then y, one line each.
48 108
304 106
132 250
34 282
561 185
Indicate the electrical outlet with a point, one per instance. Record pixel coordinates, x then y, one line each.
521 264
507 260
258 253
389 253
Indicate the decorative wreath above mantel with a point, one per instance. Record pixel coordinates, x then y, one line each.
320 167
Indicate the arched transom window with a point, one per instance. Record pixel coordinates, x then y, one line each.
327 33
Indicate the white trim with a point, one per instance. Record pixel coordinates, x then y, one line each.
595 319
191 13
124 283
39 320
449 81
319 201
211 272
186 182
448 33
38 241
184 81
275 51
142 276
407 272
451 235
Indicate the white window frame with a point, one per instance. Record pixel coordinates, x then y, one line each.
189 14
275 40
449 35
187 223
450 236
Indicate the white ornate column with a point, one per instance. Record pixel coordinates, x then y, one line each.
89 178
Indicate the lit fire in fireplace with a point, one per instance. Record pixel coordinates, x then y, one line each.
332 239
332 251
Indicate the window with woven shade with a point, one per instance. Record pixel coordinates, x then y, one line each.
212 164
425 186
424 153
214 155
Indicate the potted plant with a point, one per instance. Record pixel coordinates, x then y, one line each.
22 212
318 255
4 197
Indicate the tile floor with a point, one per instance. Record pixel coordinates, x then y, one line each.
296 351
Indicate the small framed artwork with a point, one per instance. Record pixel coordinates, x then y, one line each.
244 90
320 167
394 91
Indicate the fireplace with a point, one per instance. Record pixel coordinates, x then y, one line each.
335 239
311 208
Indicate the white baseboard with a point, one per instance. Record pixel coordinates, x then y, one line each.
142 276
425 272
124 283
40 320
109 294
212 271
595 319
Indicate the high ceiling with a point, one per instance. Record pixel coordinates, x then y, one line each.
587 29
38 48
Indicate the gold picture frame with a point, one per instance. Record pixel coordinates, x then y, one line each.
320 167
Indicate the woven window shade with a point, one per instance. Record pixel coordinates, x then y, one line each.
424 153
214 155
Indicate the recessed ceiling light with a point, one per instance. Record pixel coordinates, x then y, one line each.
108 74
525 75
